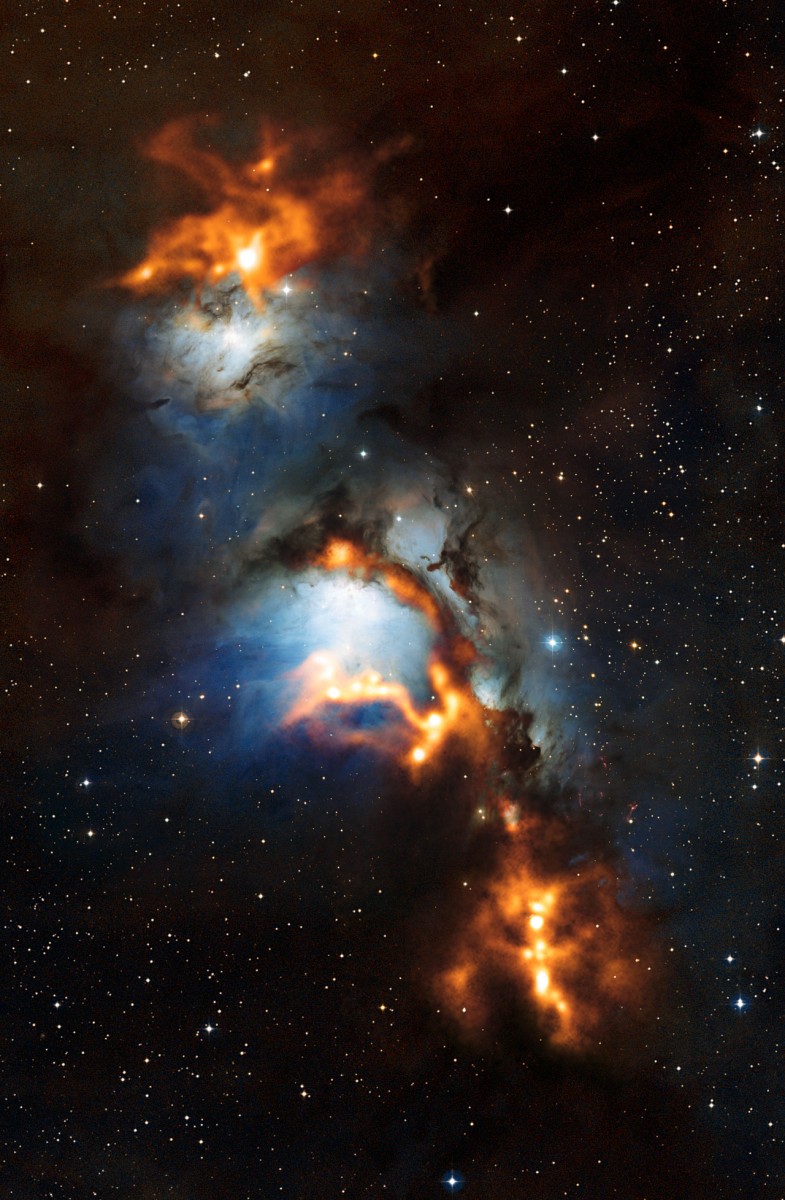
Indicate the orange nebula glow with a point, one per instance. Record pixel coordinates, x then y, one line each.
419 734
551 933
342 554
562 944
259 226
324 685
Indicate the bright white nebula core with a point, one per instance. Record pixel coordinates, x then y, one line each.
360 623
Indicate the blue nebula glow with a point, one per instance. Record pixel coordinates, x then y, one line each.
359 622
243 423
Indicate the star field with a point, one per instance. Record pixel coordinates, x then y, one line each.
392 593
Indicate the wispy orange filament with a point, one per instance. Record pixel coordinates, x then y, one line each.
559 938
565 945
257 227
324 684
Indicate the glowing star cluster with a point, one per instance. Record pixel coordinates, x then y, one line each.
418 734
258 226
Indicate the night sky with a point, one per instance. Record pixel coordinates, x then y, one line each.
393 619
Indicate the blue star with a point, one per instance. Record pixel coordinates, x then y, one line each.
453 1181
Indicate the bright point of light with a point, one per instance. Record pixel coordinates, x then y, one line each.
363 454
286 289
740 1003
248 258
536 922
541 982
85 783
729 958
418 754
758 758
209 1028
758 133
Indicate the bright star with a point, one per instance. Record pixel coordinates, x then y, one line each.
248 258
758 133
740 1003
